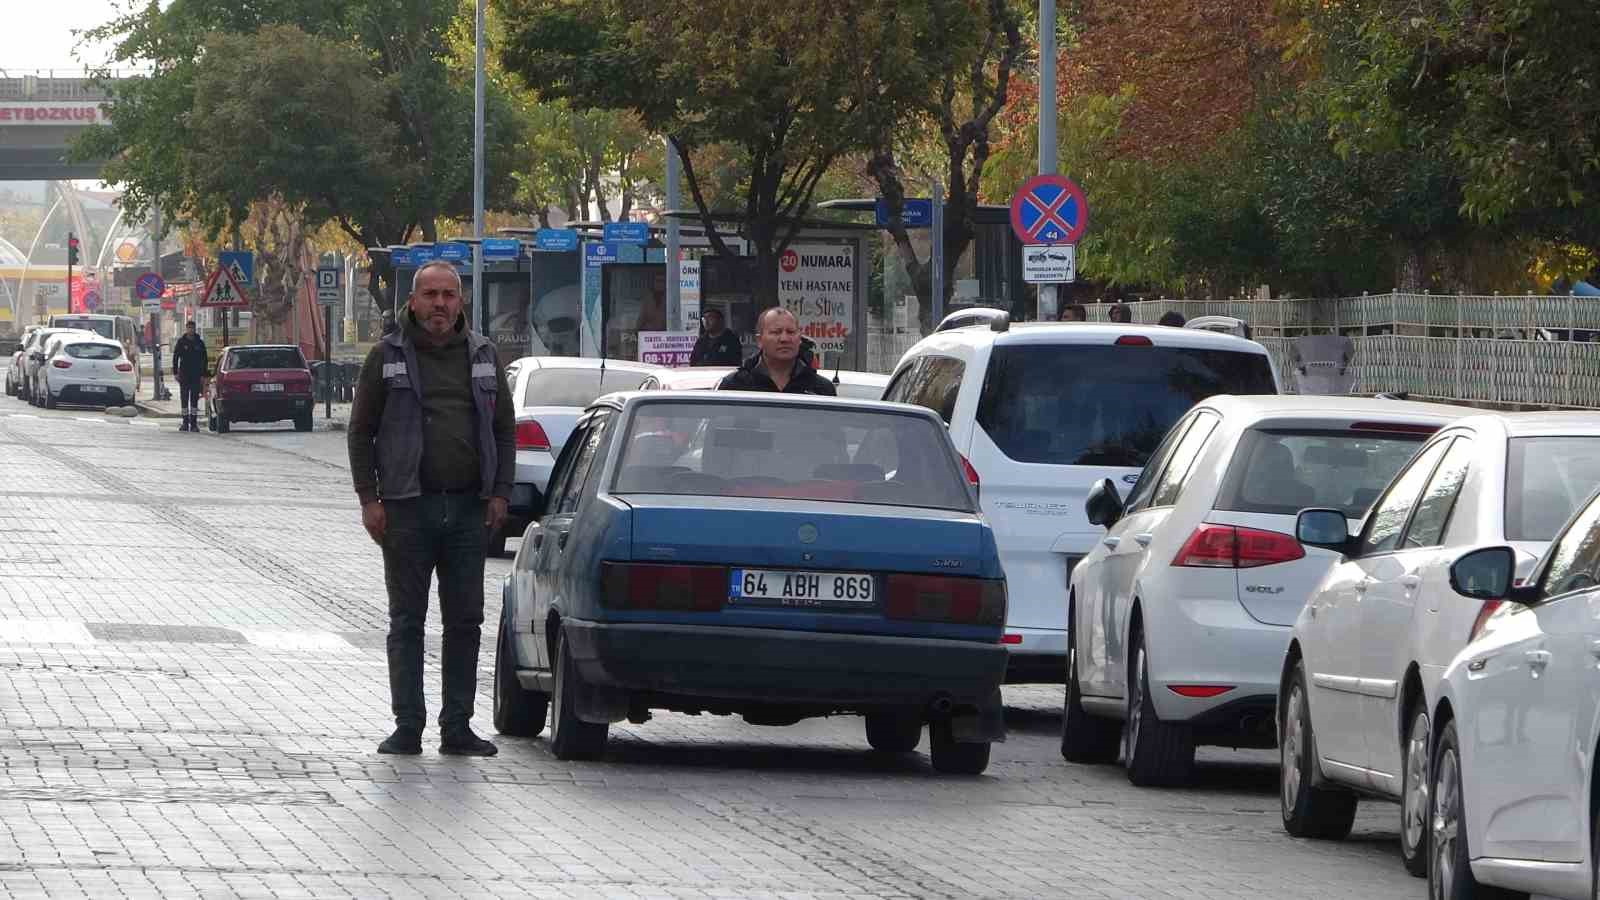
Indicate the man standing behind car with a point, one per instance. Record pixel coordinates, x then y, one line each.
432 453
777 368
189 364
717 346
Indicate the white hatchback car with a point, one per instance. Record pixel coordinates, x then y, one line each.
85 370
1368 650
1180 615
1513 796
1040 413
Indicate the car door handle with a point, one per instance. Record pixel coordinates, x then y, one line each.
1144 538
561 541
1537 659
1111 542
1410 582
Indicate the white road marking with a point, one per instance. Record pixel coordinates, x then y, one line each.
296 640
43 631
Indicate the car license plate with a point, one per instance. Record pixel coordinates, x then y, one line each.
94 388
787 588
266 388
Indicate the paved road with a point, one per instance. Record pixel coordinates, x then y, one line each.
192 685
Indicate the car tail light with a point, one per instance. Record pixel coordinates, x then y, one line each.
1482 621
969 471
62 364
124 367
943 598
1230 547
1135 340
1012 638
531 436
663 586
1200 691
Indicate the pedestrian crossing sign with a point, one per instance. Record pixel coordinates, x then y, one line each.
222 289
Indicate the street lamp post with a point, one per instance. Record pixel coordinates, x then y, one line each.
478 312
1047 123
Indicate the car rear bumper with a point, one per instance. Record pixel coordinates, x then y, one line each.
848 670
265 408
93 393
533 467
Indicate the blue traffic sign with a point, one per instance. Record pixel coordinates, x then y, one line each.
241 264
1049 209
625 233
501 248
91 300
400 257
421 253
149 286
599 254
916 212
561 240
453 252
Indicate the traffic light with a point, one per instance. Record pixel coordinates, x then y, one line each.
72 249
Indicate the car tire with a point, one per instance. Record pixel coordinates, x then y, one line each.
1414 786
302 423
1309 811
571 738
49 399
953 757
894 732
1156 753
1449 858
518 711
1084 738
221 423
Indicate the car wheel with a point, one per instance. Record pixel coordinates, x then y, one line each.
1309 811
1155 752
894 732
302 423
221 423
1449 858
570 736
953 757
1084 738
518 711
1414 794
49 399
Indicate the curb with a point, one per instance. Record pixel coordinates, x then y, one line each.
153 412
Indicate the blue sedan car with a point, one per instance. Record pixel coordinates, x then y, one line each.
771 556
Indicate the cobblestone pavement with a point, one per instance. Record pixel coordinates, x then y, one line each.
192 685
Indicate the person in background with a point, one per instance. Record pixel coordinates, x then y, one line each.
1119 313
1073 312
778 367
1172 319
189 365
717 345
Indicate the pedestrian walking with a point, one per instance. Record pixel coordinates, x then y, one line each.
717 345
777 367
432 454
189 363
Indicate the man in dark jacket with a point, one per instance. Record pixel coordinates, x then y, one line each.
778 367
189 365
433 453
717 345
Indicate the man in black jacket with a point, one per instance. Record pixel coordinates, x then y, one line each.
778 367
189 365
717 345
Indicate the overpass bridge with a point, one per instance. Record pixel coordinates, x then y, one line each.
40 112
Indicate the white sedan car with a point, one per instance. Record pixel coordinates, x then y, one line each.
1179 617
1368 650
550 392
84 369
1513 789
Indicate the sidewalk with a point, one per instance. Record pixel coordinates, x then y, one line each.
170 409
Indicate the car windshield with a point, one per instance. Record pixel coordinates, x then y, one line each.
106 328
790 451
94 351
1546 479
266 358
1101 405
577 387
1284 471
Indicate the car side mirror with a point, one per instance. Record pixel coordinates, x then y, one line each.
1325 528
1103 505
1485 574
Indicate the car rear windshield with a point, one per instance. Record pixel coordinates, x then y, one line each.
1546 479
577 387
94 351
1078 405
267 358
790 451
1284 471
106 328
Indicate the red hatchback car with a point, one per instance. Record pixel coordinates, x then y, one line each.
261 383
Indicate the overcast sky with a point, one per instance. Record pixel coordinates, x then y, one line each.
38 33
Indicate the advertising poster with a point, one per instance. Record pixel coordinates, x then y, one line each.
554 312
666 348
817 282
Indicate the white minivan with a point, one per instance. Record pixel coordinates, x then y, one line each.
1040 413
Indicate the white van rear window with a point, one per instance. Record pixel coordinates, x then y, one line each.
1103 405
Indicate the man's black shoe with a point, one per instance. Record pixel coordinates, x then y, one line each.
465 743
404 742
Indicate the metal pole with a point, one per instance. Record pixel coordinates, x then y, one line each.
155 317
1047 123
936 257
674 270
327 360
478 312
70 237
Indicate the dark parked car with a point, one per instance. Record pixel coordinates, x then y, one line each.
261 383
772 556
